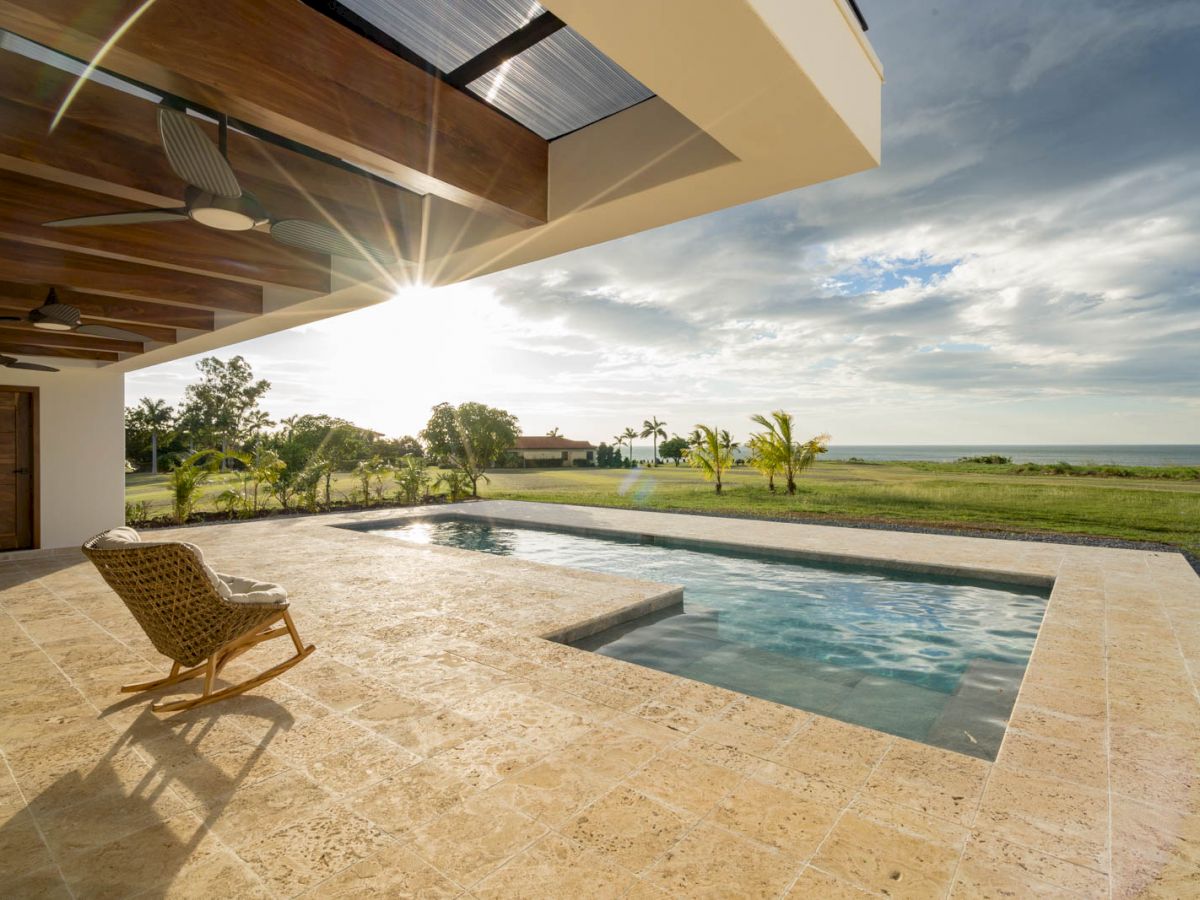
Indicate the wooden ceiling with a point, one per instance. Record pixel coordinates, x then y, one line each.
274 64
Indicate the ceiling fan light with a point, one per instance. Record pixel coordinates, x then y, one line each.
226 213
224 219
54 316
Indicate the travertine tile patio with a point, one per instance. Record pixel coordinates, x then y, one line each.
437 746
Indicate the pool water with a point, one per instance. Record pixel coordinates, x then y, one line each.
936 660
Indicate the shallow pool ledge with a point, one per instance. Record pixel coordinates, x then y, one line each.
671 596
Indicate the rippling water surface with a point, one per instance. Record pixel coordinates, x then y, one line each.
935 660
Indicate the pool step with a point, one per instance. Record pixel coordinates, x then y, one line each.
975 716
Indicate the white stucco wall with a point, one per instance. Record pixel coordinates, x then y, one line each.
82 451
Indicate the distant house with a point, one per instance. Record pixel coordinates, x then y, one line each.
550 450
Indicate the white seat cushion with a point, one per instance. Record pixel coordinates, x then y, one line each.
246 590
117 538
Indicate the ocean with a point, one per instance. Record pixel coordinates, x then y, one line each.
1076 454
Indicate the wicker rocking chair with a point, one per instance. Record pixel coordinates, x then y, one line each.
198 618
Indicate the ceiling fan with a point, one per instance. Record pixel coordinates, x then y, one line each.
11 362
214 197
55 316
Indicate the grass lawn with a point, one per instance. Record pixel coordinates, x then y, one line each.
1132 509
947 494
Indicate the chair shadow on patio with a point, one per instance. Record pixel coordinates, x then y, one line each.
139 817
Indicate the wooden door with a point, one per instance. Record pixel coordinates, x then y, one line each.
17 463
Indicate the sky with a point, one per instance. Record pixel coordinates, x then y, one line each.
1024 267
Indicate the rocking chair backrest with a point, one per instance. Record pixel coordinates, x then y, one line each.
170 593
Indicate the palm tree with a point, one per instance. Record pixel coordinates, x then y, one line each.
652 428
709 455
289 424
764 458
253 425
627 436
793 456
257 422
158 417
728 442
553 432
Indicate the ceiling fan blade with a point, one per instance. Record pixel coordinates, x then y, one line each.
107 331
35 367
137 217
323 239
193 157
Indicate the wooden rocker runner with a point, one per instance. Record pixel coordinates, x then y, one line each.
197 617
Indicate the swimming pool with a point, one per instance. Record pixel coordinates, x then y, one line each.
936 660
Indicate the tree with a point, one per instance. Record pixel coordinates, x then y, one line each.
219 407
553 432
408 446
156 417
710 455
765 458
455 483
652 428
256 423
627 436
470 437
412 480
186 478
608 457
674 449
792 456
369 474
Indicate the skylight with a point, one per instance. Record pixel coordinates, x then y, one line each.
521 59
559 85
446 33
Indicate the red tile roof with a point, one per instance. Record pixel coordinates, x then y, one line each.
547 442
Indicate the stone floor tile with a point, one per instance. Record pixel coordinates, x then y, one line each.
394 871
410 798
1061 819
486 760
556 867
793 824
834 751
628 827
712 862
554 789
883 859
993 868
306 852
223 875
1155 850
351 768
246 815
157 855
683 781
475 838
45 884
934 781
22 849
813 883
